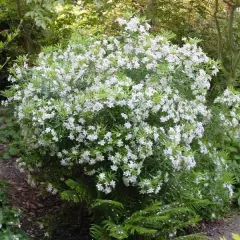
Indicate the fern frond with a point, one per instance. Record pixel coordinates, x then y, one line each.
70 195
147 220
103 203
153 208
190 222
99 233
140 230
197 236
79 191
176 210
198 204
116 231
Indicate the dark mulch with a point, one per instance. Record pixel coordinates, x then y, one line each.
68 222
223 227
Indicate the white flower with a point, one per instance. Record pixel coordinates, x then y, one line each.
113 183
99 187
114 167
121 21
92 137
124 115
120 143
49 187
127 125
102 142
71 136
132 25
102 176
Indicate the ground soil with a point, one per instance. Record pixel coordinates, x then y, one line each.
39 207
223 227
34 205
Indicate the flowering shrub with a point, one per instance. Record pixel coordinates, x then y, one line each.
127 111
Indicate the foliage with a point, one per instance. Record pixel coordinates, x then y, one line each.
154 221
198 236
10 135
61 18
126 120
180 17
9 37
234 235
15 36
228 51
9 219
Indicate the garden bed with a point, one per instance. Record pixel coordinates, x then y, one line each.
37 207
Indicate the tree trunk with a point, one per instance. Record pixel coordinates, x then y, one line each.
28 42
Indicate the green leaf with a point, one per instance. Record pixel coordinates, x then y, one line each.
98 232
9 37
108 203
236 236
116 231
6 156
70 195
198 236
237 157
13 151
80 191
232 149
140 230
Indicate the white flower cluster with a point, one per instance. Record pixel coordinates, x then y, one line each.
231 99
133 106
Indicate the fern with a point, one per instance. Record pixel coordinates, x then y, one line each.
198 236
70 195
116 231
108 205
178 210
153 208
147 221
140 230
79 191
99 233
198 204
153 221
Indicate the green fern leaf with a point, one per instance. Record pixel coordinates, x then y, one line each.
147 220
140 230
79 191
198 204
70 195
109 204
153 208
197 236
99 233
116 231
